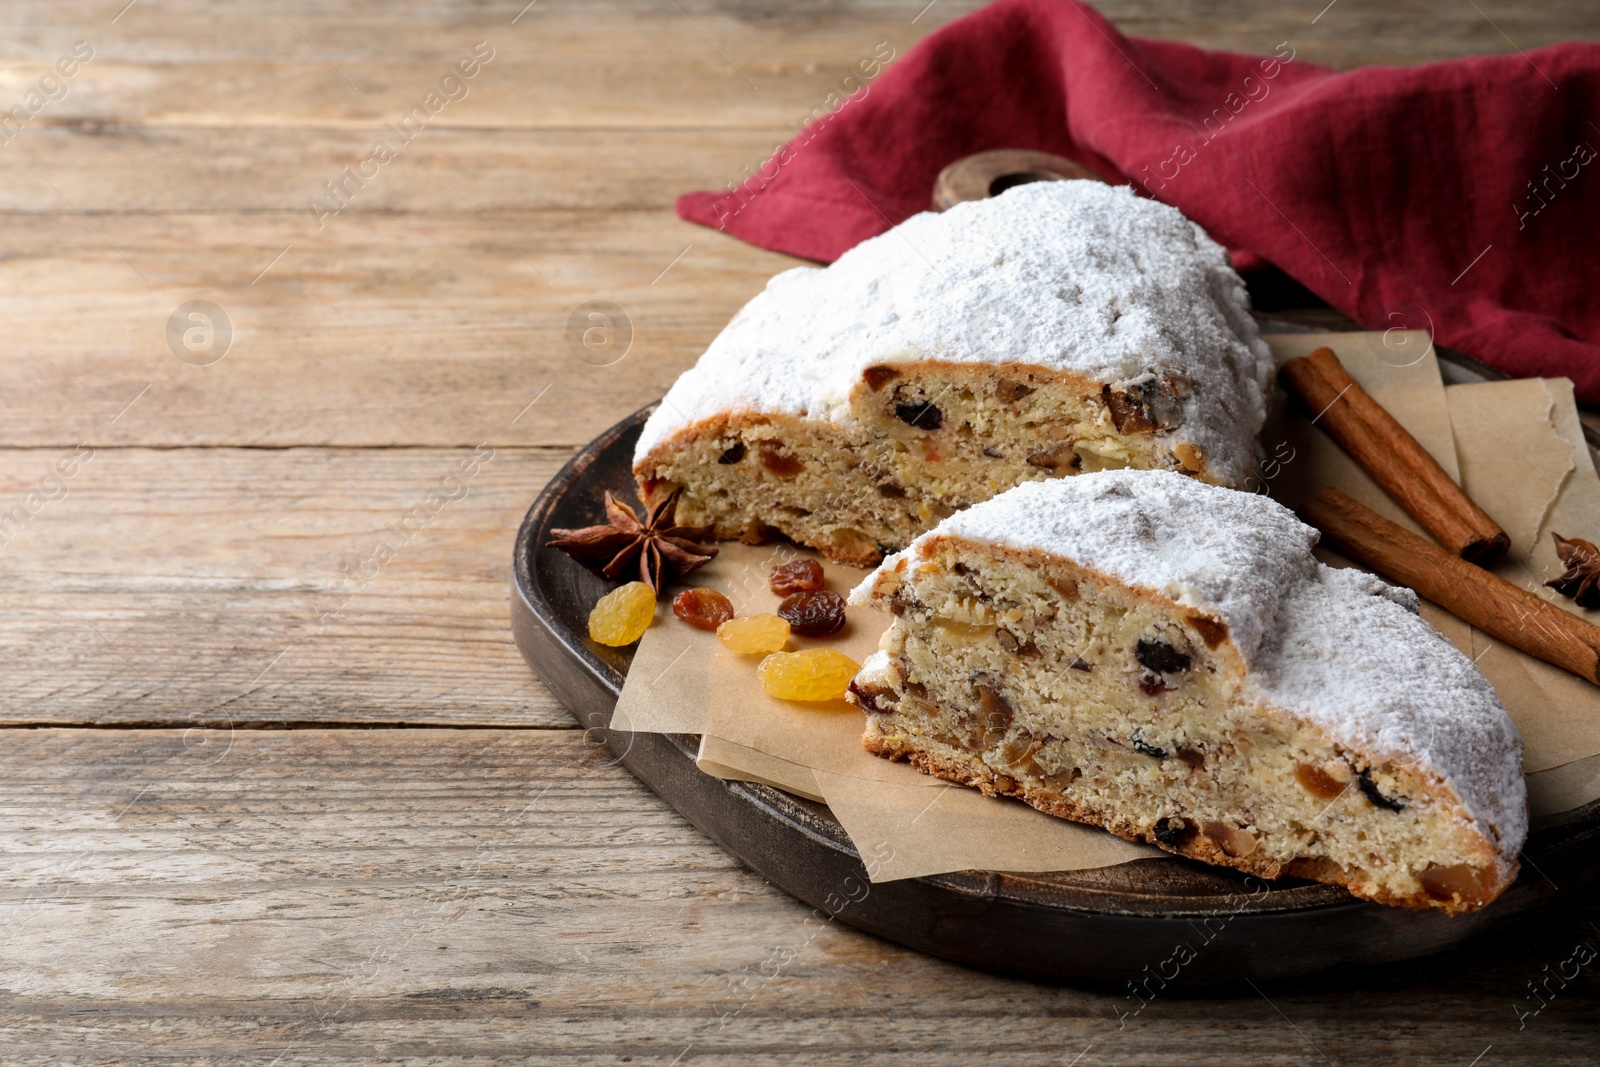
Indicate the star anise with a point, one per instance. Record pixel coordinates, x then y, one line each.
661 549
1582 580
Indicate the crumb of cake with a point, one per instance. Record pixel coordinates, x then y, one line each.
1059 329
1167 660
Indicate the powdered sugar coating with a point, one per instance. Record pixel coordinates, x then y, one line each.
1077 276
1227 554
1342 648
1380 680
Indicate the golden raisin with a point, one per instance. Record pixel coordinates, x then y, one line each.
623 615
754 634
814 614
813 674
801 576
705 609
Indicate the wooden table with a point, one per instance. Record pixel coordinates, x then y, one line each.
276 786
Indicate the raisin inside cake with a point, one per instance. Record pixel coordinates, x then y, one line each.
1167 660
1060 328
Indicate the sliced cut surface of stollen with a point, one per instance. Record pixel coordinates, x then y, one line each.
1166 659
1056 329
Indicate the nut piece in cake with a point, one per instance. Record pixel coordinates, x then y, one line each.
1164 658
1058 329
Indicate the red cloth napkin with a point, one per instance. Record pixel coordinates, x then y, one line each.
1459 197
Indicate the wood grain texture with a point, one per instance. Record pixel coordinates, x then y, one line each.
485 895
197 586
390 322
410 329
351 896
760 38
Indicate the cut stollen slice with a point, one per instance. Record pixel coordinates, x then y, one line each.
1060 327
1166 659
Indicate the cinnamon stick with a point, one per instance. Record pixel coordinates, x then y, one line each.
1395 459
1509 612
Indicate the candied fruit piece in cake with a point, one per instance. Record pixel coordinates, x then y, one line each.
1056 329
1166 659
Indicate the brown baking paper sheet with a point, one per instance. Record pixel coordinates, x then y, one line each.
1516 446
1522 451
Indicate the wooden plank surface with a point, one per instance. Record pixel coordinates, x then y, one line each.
408 329
559 167
495 894
218 586
353 897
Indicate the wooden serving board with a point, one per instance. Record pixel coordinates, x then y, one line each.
1165 922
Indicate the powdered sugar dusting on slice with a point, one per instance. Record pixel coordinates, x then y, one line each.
1074 276
1342 648
1373 674
1227 554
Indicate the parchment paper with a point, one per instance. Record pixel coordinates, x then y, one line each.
683 678
1523 452
1516 446
683 681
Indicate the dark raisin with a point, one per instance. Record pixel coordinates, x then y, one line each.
1141 745
1009 391
872 698
994 453
1127 411
1080 665
801 576
732 454
1212 631
1158 656
1171 830
814 614
878 376
1015 645
1374 794
1153 685
887 550
922 416
890 489
997 713
902 601
1061 457
705 609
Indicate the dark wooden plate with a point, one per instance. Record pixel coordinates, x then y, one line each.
1152 923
